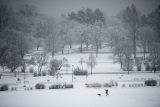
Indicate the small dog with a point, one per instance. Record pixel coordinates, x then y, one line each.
99 94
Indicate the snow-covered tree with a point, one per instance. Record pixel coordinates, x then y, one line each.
55 65
41 61
81 62
146 36
91 62
130 17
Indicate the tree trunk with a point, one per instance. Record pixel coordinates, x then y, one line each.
40 68
91 68
12 69
97 48
134 43
37 47
128 64
81 48
70 44
87 46
81 44
120 58
62 50
144 53
52 53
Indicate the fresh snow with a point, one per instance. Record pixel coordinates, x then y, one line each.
80 96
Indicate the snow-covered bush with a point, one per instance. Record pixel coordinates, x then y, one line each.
31 69
148 68
68 85
107 85
79 71
54 86
151 83
138 62
147 65
43 73
40 86
35 74
39 74
113 83
59 86
4 88
99 85
123 85
94 85
54 66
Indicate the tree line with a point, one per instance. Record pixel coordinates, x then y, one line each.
25 29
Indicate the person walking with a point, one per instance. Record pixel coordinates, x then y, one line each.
106 90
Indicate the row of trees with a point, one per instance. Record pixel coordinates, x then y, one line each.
136 31
25 28
15 34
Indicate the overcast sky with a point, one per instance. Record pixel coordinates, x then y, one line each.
109 7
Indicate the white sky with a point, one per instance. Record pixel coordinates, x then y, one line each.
109 7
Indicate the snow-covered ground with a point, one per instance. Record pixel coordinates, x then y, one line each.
80 95
105 62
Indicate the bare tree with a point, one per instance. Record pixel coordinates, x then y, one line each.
81 62
91 62
130 17
127 53
52 39
41 60
97 36
14 61
146 36
117 35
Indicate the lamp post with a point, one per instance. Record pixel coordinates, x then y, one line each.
72 72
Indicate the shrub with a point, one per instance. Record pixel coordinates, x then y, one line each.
31 69
13 89
31 61
55 65
123 85
43 73
40 86
52 73
4 88
39 74
107 85
139 68
18 79
113 83
78 71
68 85
150 82
59 86
0 76
55 86
35 74
94 85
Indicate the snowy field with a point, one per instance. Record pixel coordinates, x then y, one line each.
105 62
80 95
